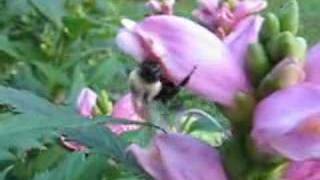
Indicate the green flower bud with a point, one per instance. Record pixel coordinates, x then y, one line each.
270 27
104 103
289 16
300 50
243 109
282 46
257 62
287 73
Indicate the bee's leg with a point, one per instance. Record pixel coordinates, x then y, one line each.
187 78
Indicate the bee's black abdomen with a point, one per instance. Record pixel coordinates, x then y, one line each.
168 91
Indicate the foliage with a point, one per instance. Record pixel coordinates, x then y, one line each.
53 49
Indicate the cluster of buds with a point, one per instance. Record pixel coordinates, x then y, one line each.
279 48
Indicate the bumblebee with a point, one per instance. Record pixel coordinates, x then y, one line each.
147 83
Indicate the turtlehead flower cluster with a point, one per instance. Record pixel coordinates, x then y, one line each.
241 58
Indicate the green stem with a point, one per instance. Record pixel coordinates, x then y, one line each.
235 154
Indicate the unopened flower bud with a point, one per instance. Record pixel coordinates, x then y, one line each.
270 27
86 102
287 73
289 16
242 110
281 46
104 103
257 62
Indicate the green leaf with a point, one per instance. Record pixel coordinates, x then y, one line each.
38 161
76 167
100 140
26 79
26 102
27 131
41 121
6 156
203 126
8 47
108 72
73 24
18 7
48 158
53 10
4 173
51 75
142 136
195 119
78 83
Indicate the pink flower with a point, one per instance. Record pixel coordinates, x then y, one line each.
288 121
161 6
122 110
126 109
73 145
305 170
313 65
86 101
245 33
179 157
244 8
180 45
223 17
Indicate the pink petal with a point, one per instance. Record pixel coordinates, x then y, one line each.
130 44
313 65
245 33
163 7
86 101
179 157
125 109
154 5
226 18
214 15
205 17
73 145
288 120
181 45
219 14
305 170
249 7
211 5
